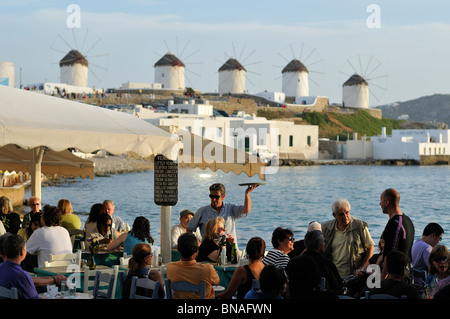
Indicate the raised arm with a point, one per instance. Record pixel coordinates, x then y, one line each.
247 200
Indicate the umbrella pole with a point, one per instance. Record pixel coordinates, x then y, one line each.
37 154
166 249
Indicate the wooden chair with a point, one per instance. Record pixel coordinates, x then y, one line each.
184 286
90 275
64 259
9 293
144 283
105 284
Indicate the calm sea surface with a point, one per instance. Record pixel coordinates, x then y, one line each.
292 197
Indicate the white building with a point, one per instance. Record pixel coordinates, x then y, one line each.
232 77
74 69
7 74
190 107
137 85
401 145
355 92
248 133
295 79
279 97
411 144
169 71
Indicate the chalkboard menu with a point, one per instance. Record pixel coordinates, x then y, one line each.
166 181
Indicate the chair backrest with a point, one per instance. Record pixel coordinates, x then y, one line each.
57 263
184 286
105 284
90 275
145 283
9 293
70 258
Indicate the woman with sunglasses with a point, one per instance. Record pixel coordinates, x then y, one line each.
210 247
438 270
444 282
283 243
139 266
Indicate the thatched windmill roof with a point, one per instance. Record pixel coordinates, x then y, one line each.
232 64
295 66
169 60
355 79
73 57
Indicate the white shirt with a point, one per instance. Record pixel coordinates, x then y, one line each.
177 231
49 240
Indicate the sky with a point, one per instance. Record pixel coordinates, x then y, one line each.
400 47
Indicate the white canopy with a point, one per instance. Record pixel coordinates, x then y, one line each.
36 121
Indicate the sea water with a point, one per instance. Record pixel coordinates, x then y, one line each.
291 198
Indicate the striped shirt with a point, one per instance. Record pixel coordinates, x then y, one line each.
277 258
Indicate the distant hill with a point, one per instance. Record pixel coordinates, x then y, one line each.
432 108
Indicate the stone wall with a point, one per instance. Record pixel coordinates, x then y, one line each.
434 159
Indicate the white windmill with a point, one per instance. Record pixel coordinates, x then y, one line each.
233 74
295 74
170 70
362 76
78 53
232 77
295 79
74 69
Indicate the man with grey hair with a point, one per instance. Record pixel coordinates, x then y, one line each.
347 240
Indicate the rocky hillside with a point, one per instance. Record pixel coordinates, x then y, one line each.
432 108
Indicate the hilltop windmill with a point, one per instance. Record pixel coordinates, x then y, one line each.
83 53
170 69
233 74
295 74
363 77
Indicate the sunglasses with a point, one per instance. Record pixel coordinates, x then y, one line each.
439 259
214 196
290 238
35 204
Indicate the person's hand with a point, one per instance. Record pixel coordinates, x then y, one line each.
250 188
230 238
58 279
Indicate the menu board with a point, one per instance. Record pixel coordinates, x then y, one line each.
166 181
